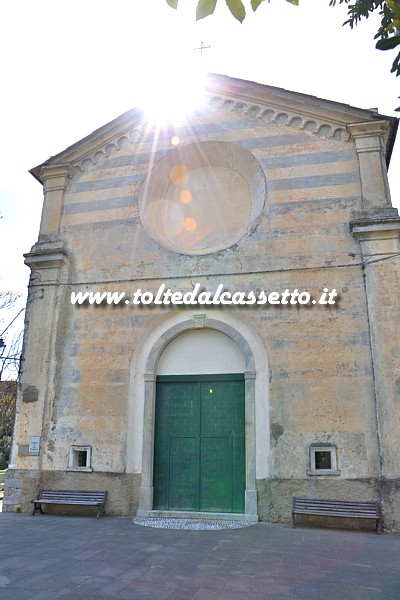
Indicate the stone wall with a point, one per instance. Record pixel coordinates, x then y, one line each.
24 486
321 359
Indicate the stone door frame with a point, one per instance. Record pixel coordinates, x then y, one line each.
149 365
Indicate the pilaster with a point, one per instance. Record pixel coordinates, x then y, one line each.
146 488
251 492
370 139
55 178
45 260
380 249
39 359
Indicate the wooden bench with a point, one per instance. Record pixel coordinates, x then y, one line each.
338 508
75 497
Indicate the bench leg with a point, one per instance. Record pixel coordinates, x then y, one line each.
293 520
37 506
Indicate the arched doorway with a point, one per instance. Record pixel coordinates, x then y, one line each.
199 437
147 365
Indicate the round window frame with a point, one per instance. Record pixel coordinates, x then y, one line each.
197 155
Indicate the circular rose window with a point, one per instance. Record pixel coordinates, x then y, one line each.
202 197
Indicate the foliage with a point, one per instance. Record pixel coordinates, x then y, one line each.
10 352
7 299
8 397
5 448
3 473
237 8
388 34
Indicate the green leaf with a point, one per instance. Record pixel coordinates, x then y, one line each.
173 3
296 2
396 65
388 43
255 4
205 8
237 9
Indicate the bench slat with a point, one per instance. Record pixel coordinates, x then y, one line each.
338 509
87 502
70 496
335 504
327 509
357 509
71 492
336 514
332 506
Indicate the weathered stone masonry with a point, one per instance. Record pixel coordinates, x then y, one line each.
311 184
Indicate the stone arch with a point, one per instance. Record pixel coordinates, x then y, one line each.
202 351
141 409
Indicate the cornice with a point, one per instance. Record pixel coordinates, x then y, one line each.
324 119
370 135
268 113
278 113
376 229
282 113
258 93
366 129
99 153
55 177
124 129
45 258
45 261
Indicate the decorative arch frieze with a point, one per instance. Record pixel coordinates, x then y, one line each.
90 161
301 121
268 114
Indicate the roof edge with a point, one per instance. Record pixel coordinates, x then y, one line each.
248 91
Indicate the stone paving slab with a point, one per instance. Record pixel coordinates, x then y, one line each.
49 557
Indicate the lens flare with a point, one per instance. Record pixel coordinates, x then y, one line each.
175 140
179 175
189 224
183 90
186 196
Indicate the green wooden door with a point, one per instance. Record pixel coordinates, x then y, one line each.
199 448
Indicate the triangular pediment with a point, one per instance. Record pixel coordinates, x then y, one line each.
238 99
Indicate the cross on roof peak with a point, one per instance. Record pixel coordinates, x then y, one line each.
202 47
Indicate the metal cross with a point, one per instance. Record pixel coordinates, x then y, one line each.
202 47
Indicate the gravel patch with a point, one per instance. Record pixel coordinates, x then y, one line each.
193 524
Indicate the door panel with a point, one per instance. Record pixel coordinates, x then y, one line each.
184 473
199 449
177 414
239 473
216 474
222 408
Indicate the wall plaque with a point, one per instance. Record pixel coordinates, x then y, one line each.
34 445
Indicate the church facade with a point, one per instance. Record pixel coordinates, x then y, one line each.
248 350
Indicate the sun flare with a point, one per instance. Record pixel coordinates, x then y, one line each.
171 89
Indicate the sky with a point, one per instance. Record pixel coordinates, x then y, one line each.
69 67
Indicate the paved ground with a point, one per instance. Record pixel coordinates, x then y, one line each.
76 558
